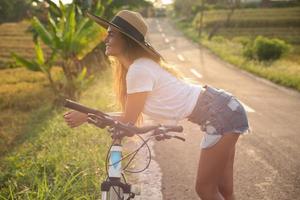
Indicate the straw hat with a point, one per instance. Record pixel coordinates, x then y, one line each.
129 23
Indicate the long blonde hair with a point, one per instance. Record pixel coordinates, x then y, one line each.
133 51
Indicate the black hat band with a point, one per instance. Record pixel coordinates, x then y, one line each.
128 28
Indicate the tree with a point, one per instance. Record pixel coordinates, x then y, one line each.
200 28
39 63
232 6
13 10
70 37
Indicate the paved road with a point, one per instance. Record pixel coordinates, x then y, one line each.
267 164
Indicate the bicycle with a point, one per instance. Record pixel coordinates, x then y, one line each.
114 188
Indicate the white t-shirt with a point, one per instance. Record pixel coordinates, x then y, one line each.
170 99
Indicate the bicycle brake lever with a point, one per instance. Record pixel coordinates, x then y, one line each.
164 137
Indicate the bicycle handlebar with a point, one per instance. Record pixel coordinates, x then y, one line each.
81 108
120 130
99 118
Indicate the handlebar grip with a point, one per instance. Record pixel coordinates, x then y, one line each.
174 128
81 108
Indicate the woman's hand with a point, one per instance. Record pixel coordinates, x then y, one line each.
75 118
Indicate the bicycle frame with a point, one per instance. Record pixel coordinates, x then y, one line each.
114 188
114 172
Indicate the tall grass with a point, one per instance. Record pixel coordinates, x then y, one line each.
22 93
56 162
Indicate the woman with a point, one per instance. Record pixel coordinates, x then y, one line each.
145 85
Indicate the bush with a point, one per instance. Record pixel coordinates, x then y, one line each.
244 40
270 49
218 39
265 49
248 51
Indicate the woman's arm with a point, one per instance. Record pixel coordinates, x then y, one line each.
134 106
116 115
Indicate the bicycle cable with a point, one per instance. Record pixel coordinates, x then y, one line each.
145 142
133 155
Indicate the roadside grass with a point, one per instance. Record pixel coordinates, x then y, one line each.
227 44
54 161
22 93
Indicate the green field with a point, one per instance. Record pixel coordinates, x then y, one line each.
14 37
256 17
283 23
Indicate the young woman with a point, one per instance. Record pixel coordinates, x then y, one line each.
145 85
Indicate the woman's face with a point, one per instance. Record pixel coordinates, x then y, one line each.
114 42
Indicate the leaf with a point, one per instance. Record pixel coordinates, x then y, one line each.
52 58
42 32
31 65
87 43
56 33
79 39
39 53
62 7
82 75
54 9
52 23
83 24
69 27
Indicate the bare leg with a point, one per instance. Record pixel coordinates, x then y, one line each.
212 164
226 182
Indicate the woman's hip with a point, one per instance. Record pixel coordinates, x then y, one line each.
217 112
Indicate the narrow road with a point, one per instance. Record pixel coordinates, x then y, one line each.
267 164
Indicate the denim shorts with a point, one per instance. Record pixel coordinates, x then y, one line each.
218 112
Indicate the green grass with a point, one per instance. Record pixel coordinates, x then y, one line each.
227 43
53 161
22 92
40 157
284 71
